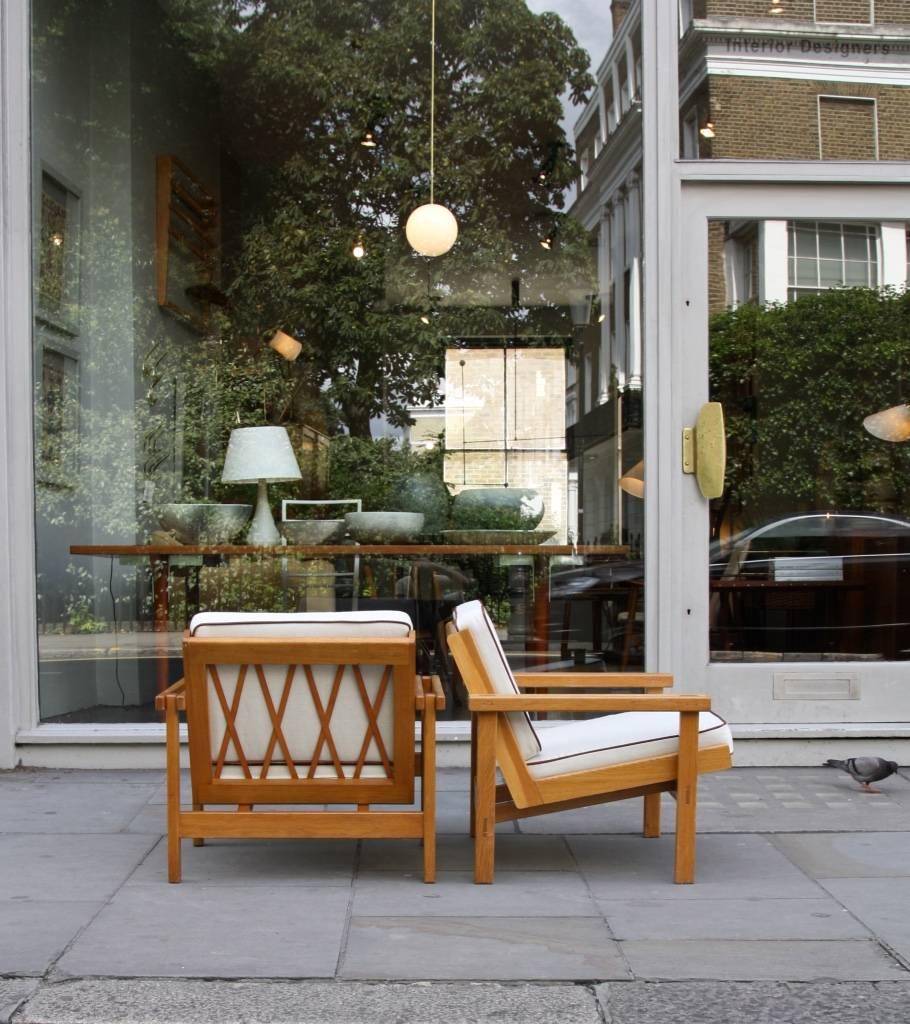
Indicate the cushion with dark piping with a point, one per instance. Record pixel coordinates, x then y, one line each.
472 617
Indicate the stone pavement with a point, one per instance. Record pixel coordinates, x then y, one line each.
801 912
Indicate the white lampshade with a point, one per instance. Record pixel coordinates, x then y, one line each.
633 480
431 229
890 424
259 453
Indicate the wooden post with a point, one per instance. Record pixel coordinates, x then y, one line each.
428 785
172 729
485 798
686 782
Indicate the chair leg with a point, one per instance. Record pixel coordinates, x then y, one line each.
428 789
485 798
473 778
686 782
651 822
198 841
172 729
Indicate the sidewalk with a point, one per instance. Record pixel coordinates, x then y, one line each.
801 912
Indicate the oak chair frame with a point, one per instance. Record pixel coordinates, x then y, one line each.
522 795
416 698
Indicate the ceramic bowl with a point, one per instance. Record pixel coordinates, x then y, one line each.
202 523
313 531
384 527
497 508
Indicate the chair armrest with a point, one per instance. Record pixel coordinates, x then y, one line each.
592 680
590 702
178 690
429 686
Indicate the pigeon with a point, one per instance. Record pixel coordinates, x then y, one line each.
865 769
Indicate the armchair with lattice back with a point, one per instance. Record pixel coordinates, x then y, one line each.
302 709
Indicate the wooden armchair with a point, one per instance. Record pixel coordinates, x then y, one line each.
655 742
306 708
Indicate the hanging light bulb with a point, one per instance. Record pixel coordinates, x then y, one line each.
368 140
547 242
707 130
359 249
432 229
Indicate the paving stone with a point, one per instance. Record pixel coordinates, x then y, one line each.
883 906
148 1001
456 853
727 867
213 931
478 948
59 867
731 919
719 1002
49 806
14 992
849 855
758 960
269 862
531 893
33 934
86 776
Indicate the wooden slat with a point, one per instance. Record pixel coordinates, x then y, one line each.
172 729
315 651
506 810
177 689
589 702
484 799
230 714
372 711
592 680
325 721
300 824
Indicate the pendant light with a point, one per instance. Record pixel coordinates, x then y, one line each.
431 228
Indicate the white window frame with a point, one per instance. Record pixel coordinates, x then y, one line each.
873 262
818 21
848 99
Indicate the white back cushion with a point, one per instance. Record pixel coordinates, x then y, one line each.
472 617
301 723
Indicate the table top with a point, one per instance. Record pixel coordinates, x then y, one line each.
334 550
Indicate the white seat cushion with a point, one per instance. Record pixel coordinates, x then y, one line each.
301 624
472 617
618 739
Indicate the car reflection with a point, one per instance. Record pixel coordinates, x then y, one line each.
815 585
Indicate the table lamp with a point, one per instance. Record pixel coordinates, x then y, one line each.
260 455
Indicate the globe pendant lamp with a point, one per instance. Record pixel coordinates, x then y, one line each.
432 229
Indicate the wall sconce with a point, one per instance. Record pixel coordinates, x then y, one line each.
358 251
286 346
633 480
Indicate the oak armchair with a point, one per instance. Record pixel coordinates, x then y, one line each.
650 743
305 708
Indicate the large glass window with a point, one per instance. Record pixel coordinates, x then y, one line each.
224 294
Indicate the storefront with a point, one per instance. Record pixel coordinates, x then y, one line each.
205 242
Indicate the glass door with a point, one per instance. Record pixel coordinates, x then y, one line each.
794 573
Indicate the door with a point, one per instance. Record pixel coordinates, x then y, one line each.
789 594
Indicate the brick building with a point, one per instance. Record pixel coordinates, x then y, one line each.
794 80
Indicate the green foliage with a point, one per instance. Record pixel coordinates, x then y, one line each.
304 80
797 381
382 474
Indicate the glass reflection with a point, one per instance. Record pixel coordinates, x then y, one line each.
221 194
810 552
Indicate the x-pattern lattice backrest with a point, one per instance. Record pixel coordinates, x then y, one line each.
316 700
341 721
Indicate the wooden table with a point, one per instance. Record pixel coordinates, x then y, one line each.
160 556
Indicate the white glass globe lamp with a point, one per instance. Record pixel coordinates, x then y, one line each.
431 229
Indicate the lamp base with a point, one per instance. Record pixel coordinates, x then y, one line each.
263 532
